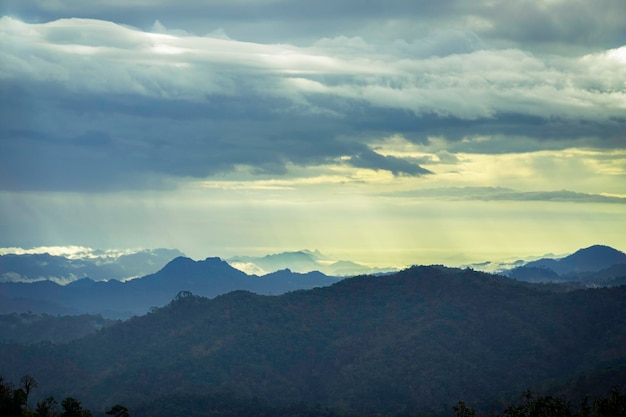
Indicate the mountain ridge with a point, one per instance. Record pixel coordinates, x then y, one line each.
576 267
31 267
214 276
115 299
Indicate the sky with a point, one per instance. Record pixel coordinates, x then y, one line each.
390 132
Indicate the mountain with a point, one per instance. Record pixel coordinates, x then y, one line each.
302 261
97 266
285 280
414 342
116 299
596 264
299 261
593 258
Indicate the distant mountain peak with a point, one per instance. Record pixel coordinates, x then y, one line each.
594 258
598 250
184 265
177 263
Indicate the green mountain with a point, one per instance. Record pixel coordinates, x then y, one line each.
420 339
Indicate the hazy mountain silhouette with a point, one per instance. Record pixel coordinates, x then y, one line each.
213 276
416 340
583 265
39 267
209 278
298 261
303 261
593 258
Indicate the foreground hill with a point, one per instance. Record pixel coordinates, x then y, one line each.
420 339
115 299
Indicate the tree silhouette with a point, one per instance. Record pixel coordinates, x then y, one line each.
614 404
28 383
47 408
462 410
73 408
118 411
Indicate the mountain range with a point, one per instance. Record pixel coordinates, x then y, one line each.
303 261
410 343
116 299
97 265
123 266
593 266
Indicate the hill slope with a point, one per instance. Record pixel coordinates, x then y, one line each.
419 339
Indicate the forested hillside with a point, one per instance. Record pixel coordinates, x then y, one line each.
36 328
420 339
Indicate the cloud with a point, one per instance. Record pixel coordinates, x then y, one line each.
94 105
397 166
507 194
72 252
556 24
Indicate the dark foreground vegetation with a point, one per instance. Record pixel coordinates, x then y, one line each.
14 403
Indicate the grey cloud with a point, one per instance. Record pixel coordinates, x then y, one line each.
566 196
442 43
397 166
507 194
577 24
95 105
92 143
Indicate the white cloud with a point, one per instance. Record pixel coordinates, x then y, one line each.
70 252
98 56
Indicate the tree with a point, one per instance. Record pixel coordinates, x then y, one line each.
545 406
28 383
47 408
614 404
118 411
462 410
10 400
73 408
